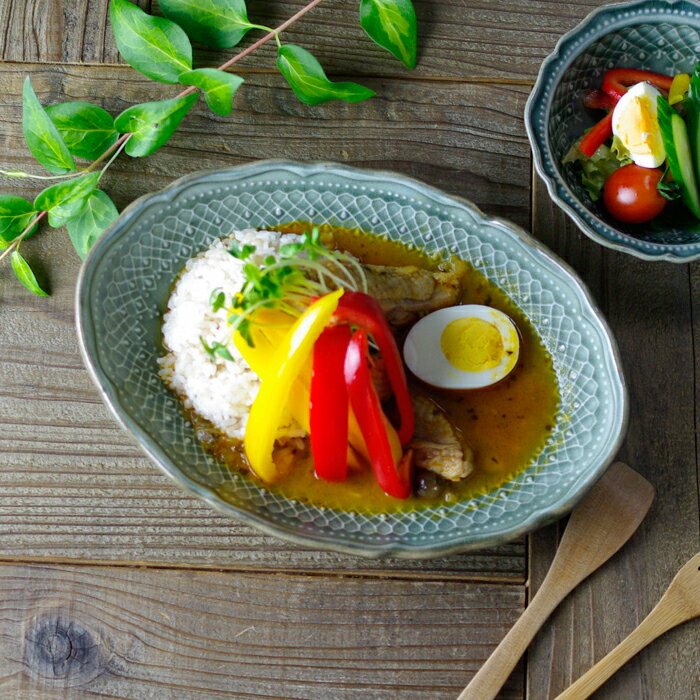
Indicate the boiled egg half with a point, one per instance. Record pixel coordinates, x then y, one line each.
462 347
635 122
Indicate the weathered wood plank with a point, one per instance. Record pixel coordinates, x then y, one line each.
459 38
73 485
648 307
58 31
88 632
466 138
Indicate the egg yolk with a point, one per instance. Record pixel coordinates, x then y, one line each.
472 344
638 128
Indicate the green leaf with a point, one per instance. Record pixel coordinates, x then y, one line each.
594 171
155 46
218 24
669 189
308 80
66 199
15 215
217 85
99 213
392 25
241 253
42 137
222 351
25 274
87 130
217 299
152 123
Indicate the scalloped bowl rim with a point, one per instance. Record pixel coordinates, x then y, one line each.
555 183
537 519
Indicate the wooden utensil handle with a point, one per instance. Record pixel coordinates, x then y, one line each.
493 674
658 621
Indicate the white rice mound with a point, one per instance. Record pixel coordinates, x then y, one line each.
222 392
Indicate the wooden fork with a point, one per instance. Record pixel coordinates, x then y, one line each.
680 603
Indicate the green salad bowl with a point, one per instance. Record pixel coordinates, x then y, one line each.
125 282
662 36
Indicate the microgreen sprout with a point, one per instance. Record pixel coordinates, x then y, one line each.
289 281
217 300
216 349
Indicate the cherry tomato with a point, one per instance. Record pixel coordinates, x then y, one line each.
630 194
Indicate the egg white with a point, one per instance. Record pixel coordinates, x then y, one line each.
425 358
624 111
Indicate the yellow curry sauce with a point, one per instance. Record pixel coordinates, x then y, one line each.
506 425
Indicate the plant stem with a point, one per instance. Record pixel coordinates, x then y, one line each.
15 243
114 156
117 144
20 174
273 34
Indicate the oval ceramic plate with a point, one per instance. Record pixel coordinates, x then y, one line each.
122 292
657 35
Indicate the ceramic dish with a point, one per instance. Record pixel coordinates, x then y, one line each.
125 282
657 35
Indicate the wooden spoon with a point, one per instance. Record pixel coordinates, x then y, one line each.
599 525
680 603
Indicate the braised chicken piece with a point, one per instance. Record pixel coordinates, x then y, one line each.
287 452
407 293
436 445
380 378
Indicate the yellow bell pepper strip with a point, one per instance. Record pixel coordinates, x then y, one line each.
394 477
267 337
288 360
298 401
679 88
268 331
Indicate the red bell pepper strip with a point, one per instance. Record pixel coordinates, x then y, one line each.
364 311
329 405
597 99
394 478
594 138
617 80
615 84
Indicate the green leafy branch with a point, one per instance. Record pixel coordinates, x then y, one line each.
161 49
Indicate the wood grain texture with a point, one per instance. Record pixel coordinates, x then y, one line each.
72 484
466 138
599 525
96 632
647 305
487 39
679 604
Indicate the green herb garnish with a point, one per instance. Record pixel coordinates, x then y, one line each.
217 300
289 281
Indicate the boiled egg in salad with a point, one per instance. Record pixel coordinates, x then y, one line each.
636 125
463 347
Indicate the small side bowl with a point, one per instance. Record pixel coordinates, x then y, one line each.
657 35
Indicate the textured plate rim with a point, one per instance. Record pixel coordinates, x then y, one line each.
107 392
554 183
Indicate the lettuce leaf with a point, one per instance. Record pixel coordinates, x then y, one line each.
594 172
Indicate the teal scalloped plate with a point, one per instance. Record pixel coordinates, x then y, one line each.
122 292
657 35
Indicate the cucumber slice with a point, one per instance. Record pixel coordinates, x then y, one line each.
680 161
692 118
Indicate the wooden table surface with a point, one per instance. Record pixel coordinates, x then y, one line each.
113 583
